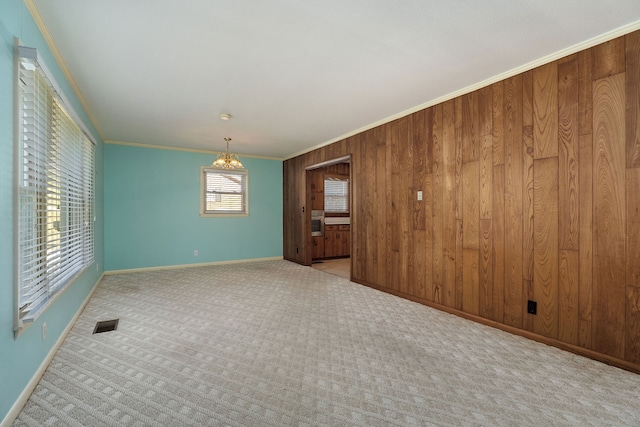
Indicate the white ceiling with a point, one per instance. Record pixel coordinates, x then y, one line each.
297 74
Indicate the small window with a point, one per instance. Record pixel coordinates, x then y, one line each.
336 195
224 192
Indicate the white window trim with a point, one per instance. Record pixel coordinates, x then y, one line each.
83 251
203 193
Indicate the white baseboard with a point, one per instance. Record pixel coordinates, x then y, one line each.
202 264
26 393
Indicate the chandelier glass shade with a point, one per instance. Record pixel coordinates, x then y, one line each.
227 160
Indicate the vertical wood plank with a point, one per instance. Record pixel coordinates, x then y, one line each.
428 236
378 136
485 291
545 111
609 215
568 318
608 59
436 201
527 196
486 177
585 98
498 124
485 112
632 344
569 227
545 243
459 266
513 201
448 220
470 292
470 128
471 205
632 42
586 241
498 243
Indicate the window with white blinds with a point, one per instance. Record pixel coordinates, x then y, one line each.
336 195
224 192
55 192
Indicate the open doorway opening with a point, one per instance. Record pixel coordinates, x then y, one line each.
329 198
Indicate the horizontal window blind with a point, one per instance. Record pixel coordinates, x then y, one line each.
225 191
336 195
55 204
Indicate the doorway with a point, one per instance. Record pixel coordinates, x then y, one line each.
329 198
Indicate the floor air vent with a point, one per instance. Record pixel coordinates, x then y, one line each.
106 326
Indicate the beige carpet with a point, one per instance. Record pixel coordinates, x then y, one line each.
278 344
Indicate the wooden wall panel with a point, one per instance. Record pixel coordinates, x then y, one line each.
531 190
609 215
527 196
444 213
568 316
545 245
513 201
633 99
568 154
485 281
585 278
608 58
545 111
498 243
470 285
471 205
498 124
632 321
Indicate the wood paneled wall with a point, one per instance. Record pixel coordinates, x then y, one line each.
531 191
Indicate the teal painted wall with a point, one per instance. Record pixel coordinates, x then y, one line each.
20 357
152 211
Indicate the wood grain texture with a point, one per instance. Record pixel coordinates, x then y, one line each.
545 111
632 320
609 215
436 200
527 197
459 266
569 227
444 215
485 112
585 98
471 275
470 128
378 139
498 243
497 124
486 177
513 308
585 306
545 244
608 59
485 280
632 43
568 304
471 205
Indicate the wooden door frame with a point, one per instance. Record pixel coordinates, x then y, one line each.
308 241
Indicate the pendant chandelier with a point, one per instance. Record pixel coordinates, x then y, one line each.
227 160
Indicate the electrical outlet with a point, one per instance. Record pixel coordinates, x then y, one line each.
44 331
419 195
195 252
532 307
97 266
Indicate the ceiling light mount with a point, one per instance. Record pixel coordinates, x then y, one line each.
225 116
227 160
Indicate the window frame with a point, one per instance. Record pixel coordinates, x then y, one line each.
54 190
344 182
204 171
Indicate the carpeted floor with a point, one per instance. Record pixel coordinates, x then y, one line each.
277 344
